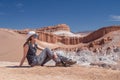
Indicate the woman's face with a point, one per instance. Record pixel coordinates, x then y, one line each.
34 38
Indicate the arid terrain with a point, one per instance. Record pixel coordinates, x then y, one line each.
97 54
9 71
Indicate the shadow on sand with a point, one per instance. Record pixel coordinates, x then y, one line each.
49 66
18 66
28 66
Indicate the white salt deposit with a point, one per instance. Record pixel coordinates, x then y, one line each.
67 33
85 57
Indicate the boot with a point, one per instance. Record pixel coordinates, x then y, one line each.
58 62
66 61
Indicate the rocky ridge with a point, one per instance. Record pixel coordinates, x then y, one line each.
61 33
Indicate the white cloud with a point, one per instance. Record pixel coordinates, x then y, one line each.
20 7
115 17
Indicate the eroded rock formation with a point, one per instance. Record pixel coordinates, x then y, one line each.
99 33
46 34
48 37
55 28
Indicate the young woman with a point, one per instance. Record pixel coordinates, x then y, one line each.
30 49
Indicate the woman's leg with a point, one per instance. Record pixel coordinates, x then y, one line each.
59 59
52 55
41 58
45 61
47 55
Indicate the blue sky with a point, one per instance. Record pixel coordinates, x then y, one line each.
80 15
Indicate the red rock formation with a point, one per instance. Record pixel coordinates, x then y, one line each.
45 34
48 37
55 28
99 33
71 40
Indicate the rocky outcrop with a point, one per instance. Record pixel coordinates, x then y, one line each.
91 37
99 33
71 40
99 42
48 37
46 34
52 38
48 29
55 28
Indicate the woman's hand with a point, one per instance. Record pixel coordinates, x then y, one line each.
20 65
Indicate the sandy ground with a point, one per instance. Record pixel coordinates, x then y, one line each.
9 71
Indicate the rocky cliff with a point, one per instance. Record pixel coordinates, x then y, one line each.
47 34
58 27
99 33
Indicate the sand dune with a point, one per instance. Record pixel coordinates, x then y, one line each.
11 45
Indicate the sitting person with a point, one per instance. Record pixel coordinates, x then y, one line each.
30 49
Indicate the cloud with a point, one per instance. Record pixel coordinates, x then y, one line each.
115 17
19 5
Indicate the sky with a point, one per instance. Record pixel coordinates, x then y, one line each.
79 15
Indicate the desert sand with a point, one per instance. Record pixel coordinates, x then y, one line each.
11 53
11 72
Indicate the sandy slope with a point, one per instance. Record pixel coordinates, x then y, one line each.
9 72
10 45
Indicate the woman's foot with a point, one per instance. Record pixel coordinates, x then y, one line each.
60 64
66 63
70 62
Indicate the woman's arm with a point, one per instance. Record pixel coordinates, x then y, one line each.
56 48
39 47
24 54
